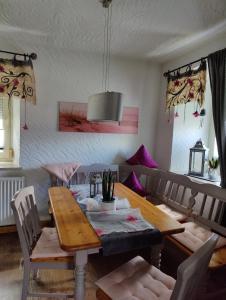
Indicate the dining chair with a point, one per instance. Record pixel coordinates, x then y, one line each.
137 279
40 246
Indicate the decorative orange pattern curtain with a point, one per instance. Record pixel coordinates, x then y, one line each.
17 79
186 87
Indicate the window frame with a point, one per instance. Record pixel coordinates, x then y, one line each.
6 154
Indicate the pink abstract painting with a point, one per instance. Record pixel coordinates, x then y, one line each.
72 118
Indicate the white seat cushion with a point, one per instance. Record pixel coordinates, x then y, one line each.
48 245
172 213
135 280
195 236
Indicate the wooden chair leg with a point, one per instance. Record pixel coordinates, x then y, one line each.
26 279
101 295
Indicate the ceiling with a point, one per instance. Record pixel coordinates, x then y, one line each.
140 28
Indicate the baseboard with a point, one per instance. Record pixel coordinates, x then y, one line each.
12 228
7 229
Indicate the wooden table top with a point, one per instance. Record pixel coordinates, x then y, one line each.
75 231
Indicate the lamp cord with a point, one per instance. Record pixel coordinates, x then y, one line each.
107 46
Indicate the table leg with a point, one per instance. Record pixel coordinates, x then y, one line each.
81 258
156 255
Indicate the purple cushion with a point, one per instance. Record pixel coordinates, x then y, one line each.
134 184
142 157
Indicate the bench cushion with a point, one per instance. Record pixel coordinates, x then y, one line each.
134 184
142 157
48 246
195 236
136 278
172 213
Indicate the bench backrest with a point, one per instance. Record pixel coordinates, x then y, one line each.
148 177
176 191
204 202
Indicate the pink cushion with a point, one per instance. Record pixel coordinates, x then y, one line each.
142 157
195 236
134 184
48 245
137 280
172 213
63 171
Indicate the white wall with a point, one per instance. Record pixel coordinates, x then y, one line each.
164 133
62 76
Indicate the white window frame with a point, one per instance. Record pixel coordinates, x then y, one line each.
6 154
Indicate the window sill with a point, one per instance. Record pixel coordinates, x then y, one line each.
9 166
204 180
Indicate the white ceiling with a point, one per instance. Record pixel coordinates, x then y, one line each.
140 28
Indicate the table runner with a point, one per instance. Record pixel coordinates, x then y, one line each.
123 230
119 242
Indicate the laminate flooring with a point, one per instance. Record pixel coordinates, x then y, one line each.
11 272
63 280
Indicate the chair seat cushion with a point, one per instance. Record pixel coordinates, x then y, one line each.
172 213
48 246
195 236
136 278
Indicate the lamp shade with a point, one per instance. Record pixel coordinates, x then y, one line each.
105 106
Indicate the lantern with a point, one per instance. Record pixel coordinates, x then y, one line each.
95 184
197 159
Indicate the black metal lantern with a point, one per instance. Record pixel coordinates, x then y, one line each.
197 159
95 184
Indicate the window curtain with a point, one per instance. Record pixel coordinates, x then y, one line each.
17 79
216 62
186 87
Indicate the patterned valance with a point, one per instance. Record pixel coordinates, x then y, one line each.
186 87
17 79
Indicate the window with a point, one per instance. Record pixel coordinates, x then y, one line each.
187 130
9 130
6 153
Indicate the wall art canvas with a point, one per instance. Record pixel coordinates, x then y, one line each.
72 118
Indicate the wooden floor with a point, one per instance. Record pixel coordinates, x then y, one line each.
58 280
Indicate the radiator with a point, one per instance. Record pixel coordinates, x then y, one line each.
8 187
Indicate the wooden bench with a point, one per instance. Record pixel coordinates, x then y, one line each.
200 204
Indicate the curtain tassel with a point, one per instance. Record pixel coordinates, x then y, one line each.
25 127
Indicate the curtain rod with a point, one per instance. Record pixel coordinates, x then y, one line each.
195 61
32 55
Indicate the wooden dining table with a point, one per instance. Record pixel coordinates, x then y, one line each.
77 235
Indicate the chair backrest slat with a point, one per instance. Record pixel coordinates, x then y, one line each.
192 271
27 220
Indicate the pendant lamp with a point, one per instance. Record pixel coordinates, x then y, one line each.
105 106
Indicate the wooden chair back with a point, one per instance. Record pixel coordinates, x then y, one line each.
193 270
27 219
